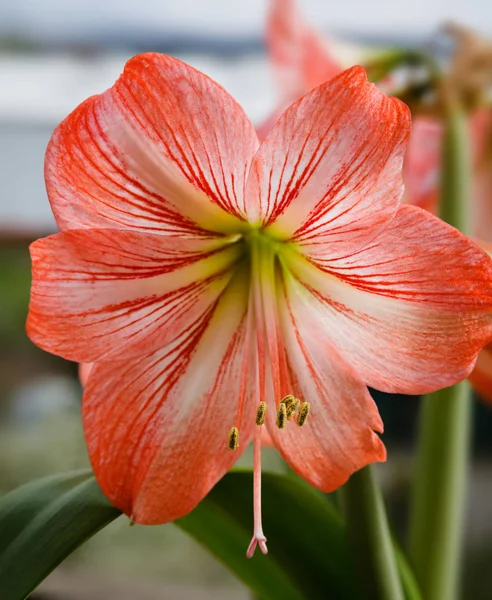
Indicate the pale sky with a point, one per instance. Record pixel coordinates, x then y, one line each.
244 17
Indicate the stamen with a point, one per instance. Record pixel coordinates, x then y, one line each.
303 413
233 442
261 413
288 400
281 416
291 410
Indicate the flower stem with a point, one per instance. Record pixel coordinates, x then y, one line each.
436 521
456 176
370 536
439 491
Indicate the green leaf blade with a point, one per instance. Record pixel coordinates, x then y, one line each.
42 523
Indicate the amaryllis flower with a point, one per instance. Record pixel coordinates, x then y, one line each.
220 286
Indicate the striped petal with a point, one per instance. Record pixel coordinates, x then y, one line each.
157 426
329 174
409 312
106 294
165 149
339 436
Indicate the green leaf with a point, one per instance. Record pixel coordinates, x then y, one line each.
408 580
42 522
308 552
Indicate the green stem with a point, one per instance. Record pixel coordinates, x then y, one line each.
456 167
436 522
439 491
370 537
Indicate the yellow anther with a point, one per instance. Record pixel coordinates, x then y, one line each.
288 400
291 409
261 413
233 442
303 413
281 416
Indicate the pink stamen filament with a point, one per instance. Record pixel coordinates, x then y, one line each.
258 538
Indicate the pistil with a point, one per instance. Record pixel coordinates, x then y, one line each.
258 538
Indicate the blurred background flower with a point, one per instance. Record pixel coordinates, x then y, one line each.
53 55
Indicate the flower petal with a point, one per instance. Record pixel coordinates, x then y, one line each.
338 437
157 426
108 294
301 58
329 173
118 160
410 311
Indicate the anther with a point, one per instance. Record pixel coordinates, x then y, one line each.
281 416
291 409
233 442
288 400
261 413
303 413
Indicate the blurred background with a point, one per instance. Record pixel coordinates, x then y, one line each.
53 55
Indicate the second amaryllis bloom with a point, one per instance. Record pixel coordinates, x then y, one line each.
220 286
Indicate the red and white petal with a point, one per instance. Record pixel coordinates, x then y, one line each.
329 173
422 164
157 427
302 59
409 312
108 294
145 153
339 436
